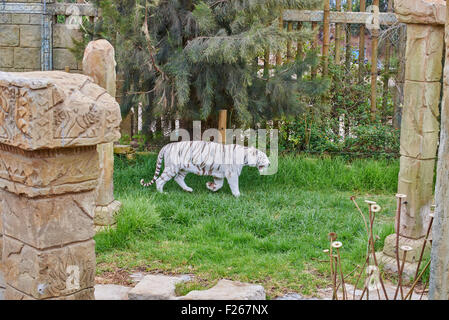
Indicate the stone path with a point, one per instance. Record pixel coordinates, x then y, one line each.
162 287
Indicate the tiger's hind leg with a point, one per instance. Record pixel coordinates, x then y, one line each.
166 176
180 180
216 185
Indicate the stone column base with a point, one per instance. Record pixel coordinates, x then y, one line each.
105 215
387 258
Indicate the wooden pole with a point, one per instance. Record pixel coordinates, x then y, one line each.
375 42
299 52
326 37
289 43
222 120
279 54
338 36
362 43
314 47
348 38
387 64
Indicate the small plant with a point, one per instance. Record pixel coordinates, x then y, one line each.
374 277
141 141
125 139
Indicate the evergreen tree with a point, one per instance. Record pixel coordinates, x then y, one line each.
190 58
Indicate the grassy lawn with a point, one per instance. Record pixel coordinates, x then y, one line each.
272 235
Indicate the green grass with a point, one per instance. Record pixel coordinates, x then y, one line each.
273 234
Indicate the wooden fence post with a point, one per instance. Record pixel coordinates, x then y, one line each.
222 120
299 53
375 42
289 43
314 46
279 53
348 38
326 37
338 36
362 43
387 64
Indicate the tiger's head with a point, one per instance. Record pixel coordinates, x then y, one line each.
258 159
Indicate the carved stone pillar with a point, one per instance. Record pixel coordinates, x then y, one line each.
420 125
50 125
439 267
99 63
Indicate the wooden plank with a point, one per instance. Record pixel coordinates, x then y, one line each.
338 17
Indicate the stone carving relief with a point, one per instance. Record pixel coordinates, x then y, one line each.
58 112
23 113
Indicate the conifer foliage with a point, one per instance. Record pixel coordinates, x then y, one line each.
190 58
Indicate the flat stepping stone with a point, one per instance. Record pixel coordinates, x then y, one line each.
156 287
290 296
111 292
228 290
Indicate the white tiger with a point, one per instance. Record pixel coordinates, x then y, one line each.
206 159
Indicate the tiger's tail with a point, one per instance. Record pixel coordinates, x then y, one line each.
158 168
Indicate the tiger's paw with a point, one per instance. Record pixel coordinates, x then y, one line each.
211 186
189 190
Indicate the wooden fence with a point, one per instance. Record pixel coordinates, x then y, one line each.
323 19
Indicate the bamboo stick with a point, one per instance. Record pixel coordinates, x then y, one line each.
375 43
362 43
326 37
338 36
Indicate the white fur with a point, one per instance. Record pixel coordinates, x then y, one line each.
209 159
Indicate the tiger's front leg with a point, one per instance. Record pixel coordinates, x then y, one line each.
216 185
233 181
